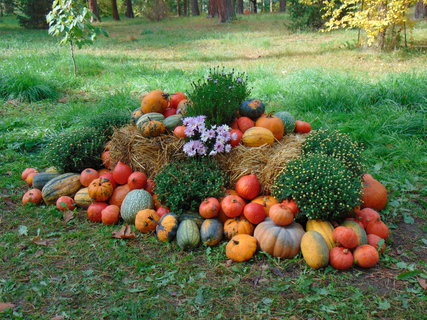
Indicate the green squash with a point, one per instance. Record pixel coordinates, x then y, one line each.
42 178
288 121
188 235
173 121
314 250
136 200
211 232
66 184
252 108
195 216
148 117
167 227
360 232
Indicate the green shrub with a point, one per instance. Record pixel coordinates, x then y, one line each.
304 17
338 145
321 185
106 122
183 185
218 96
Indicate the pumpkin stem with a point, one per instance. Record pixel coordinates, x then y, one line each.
345 251
236 242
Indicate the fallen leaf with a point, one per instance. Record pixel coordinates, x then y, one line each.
23 230
277 272
124 233
38 253
57 318
422 283
6 305
257 280
37 240
68 215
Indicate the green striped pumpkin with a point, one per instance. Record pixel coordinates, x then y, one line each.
288 120
82 198
135 200
360 232
42 178
211 232
148 117
136 114
66 184
188 235
314 249
173 121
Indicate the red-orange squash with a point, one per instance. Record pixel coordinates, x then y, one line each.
150 186
65 203
281 214
302 127
272 123
87 176
232 206
248 187
121 172
374 240
110 215
379 228
119 195
292 205
254 213
30 177
236 137
266 202
26 172
105 157
341 258
245 123
179 132
100 189
345 237
374 193
209 208
366 256
137 180
176 98
109 176
94 212
367 215
33 195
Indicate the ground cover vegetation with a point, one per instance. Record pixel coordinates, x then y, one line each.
75 269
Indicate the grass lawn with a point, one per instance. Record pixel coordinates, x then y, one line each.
80 272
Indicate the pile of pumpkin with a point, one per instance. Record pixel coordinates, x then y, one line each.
248 220
160 114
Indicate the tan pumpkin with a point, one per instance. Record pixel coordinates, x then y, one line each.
155 101
257 136
241 248
153 128
146 220
100 189
272 123
237 226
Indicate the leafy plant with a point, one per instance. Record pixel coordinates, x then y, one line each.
338 145
321 185
105 122
71 21
218 96
304 17
183 185
33 13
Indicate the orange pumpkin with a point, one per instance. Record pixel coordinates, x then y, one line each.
103 171
87 176
110 215
266 202
374 193
241 247
119 195
26 172
209 208
109 175
121 172
100 189
254 212
94 212
379 228
366 256
236 226
245 123
152 128
30 177
248 187
137 180
232 206
33 195
281 214
155 101
272 123
65 203
146 220
179 132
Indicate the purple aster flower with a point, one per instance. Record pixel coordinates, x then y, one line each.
239 79
212 153
227 148
207 134
215 81
189 148
219 147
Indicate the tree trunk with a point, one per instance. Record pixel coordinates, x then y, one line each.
282 5
93 6
212 8
420 10
114 10
225 10
271 6
230 9
186 8
240 6
254 6
129 9
195 8
178 7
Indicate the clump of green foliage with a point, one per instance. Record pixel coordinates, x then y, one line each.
33 13
321 185
106 121
338 145
304 17
218 96
25 86
183 185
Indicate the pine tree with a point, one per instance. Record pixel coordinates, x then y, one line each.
34 13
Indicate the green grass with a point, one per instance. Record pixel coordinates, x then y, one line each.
82 273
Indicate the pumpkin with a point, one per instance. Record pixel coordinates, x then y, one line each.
136 200
241 247
152 128
87 176
33 195
231 192
26 172
188 234
183 105
366 256
155 101
234 125
367 215
65 203
150 186
341 258
374 193
279 241
209 208
248 187
232 206
109 176
40 180
173 121
236 137
325 228
169 112
66 184
345 237
53 169
356 220
179 132
257 136
288 121
374 241
105 158
94 211
281 214
245 123
272 123
360 232
222 216
211 232
136 114
291 204
161 211
149 117
100 189
119 195
146 220
30 178
266 202
82 198
379 228
254 212
252 108
137 180
167 227
176 98
302 127
110 215
103 171
314 249
236 226
121 172
194 216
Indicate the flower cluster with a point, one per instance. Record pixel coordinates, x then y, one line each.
204 139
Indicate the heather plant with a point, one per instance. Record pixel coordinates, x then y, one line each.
218 96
